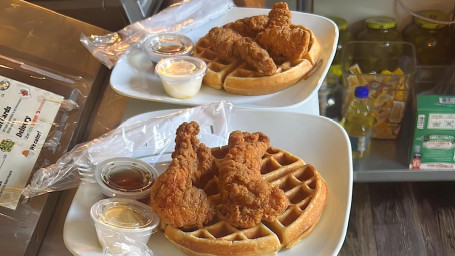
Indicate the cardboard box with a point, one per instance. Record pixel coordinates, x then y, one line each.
434 135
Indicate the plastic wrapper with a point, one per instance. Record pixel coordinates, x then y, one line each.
151 140
128 247
186 15
31 133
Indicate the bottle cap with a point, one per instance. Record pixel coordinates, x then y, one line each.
381 22
341 23
434 15
361 92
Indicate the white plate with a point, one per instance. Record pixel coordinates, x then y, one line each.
133 74
317 140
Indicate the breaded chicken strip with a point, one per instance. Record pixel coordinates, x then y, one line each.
228 43
293 44
279 15
249 26
247 198
174 195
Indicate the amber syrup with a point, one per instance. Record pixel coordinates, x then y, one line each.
127 178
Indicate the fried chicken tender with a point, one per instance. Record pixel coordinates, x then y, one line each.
228 43
246 197
292 46
174 195
249 26
279 15
222 41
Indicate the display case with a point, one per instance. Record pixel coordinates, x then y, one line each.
389 158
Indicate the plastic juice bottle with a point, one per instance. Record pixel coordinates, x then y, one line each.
432 40
358 122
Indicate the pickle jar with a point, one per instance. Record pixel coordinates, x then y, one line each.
381 28
344 37
431 38
330 93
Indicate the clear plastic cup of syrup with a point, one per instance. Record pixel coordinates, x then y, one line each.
125 177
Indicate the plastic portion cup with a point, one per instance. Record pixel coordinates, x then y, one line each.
181 76
125 177
167 45
121 223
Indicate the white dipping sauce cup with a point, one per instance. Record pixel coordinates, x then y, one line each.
118 221
181 76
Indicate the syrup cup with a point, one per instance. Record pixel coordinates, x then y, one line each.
125 177
167 45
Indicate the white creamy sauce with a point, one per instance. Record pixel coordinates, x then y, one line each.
184 89
179 68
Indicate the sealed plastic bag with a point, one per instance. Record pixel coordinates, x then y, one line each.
29 133
180 17
151 139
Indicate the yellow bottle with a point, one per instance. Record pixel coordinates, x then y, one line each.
358 122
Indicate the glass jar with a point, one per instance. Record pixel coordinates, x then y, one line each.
380 28
432 40
330 94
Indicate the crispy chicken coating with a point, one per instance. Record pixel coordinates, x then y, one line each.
246 197
174 195
279 15
228 43
292 45
249 26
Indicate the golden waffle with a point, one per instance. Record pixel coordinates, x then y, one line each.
236 77
217 68
306 191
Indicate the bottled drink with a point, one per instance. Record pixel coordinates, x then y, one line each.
358 122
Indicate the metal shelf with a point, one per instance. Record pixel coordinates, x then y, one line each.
388 161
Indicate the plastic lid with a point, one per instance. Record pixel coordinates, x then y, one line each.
382 22
342 23
125 177
179 67
431 14
123 213
361 92
166 45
